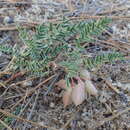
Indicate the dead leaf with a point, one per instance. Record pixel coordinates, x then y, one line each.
67 97
90 88
85 74
61 84
78 93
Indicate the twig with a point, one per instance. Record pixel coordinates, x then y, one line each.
120 46
55 21
99 17
7 88
8 98
21 82
18 102
25 120
4 72
11 28
22 2
14 76
51 85
114 10
111 86
5 125
33 90
40 84
1 84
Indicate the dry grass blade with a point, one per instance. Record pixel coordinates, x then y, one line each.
100 17
33 90
17 103
123 47
22 82
2 85
25 120
24 108
33 24
33 107
40 84
16 1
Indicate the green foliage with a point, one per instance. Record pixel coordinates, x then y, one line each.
50 40
73 62
6 49
104 58
87 30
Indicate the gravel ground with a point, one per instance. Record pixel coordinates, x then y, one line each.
110 110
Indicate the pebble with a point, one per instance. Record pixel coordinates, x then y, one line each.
84 114
123 98
52 105
8 20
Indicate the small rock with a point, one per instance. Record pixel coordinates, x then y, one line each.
8 20
52 105
127 86
84 113
123 97
61 121
128 25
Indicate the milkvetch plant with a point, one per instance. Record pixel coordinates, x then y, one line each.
65 40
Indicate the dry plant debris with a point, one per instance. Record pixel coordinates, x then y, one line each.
84 82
